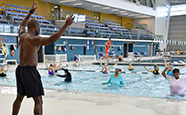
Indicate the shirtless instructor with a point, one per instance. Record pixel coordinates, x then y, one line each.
28 78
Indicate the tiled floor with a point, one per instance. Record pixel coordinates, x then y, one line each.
80 103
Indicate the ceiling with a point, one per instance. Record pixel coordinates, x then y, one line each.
96 7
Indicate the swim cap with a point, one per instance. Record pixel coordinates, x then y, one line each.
176 70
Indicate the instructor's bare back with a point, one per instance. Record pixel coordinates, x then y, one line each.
30 42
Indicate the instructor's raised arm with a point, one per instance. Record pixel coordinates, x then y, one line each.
37 40
22 28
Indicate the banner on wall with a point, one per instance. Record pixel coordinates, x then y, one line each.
90 44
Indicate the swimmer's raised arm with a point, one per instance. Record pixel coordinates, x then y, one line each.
101 64
38 40
59 66
156 65
165 61
22 28
148 69
164 72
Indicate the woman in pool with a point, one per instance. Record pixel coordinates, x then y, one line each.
131 68
170 70
104 68
67 76
120 57
176 83
76 63
115 79
3 71
171 67
51 69
155 71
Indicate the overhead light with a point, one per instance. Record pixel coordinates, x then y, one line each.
137 14
123 11
142 16
77 4
105 8
96 6
67 1
115 10
132 15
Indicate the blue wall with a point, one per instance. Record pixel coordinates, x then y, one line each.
91 48
141 47
49 49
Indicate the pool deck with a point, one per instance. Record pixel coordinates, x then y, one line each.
81 103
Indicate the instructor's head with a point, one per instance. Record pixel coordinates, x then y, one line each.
33 25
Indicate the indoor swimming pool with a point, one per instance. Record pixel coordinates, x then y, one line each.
141 83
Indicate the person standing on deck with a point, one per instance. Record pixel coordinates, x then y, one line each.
27 77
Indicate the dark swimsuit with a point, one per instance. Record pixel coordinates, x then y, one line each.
130 69
2 75
156 72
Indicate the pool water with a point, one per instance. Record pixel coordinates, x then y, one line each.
135 84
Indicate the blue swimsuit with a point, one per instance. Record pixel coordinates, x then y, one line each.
115 80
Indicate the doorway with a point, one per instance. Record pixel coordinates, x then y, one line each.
40 54
125 50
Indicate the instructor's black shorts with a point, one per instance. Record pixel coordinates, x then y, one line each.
29 81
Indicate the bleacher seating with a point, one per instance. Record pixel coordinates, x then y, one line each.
17 8
146 37
106 29
93 28
17 13
1 16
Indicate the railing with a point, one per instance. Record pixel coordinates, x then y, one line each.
86 57
55 58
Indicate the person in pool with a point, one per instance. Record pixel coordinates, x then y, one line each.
131 68
104 68
170 70
76 63
51 69
176 83
120 57
115 79
67 76
3 70
155 71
